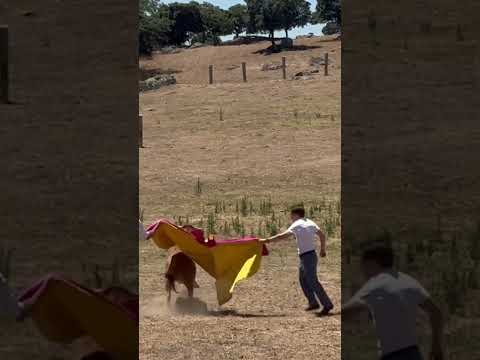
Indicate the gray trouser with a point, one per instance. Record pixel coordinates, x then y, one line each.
309 281
410 353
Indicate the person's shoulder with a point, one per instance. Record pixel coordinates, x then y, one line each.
410 282
296 223
414 288
408 279
378 280
311 222
371 285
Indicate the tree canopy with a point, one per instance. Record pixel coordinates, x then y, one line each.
154 25
186 20
176 23
293 13
179 23
270 15
239 17
216 22
328 10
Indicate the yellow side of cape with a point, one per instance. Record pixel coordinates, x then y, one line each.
226 263
65 313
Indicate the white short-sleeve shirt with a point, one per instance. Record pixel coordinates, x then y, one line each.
305 231
393 299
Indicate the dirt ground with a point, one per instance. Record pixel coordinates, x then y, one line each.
265 140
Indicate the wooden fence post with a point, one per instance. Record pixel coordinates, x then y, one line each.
210 74
284 67
326 64
4 64
140 130
244 71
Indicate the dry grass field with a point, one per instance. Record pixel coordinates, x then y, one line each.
232 157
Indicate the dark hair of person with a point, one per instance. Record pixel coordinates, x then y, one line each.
299 211
380 254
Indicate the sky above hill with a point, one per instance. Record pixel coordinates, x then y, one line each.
225 4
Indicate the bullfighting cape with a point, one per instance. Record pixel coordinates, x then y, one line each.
64 311
227 261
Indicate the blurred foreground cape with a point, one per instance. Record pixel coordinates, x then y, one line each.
227 261
64 311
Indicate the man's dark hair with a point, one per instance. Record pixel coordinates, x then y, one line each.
300 211
380 254
97 355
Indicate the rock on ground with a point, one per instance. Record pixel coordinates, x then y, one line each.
319 61
286 43
269 67
157 82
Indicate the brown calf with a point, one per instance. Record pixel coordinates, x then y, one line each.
179 268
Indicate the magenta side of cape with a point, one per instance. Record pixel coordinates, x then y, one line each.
200 237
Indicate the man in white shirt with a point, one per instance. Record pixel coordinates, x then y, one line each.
393 299
305 231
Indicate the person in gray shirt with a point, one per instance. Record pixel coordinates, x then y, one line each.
393 298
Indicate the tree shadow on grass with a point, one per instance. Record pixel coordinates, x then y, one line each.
235 313
277 49
146 73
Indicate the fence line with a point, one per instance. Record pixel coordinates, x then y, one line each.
326 64
283 67
210 74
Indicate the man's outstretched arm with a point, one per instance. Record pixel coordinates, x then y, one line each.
353 308
279 237
437 325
